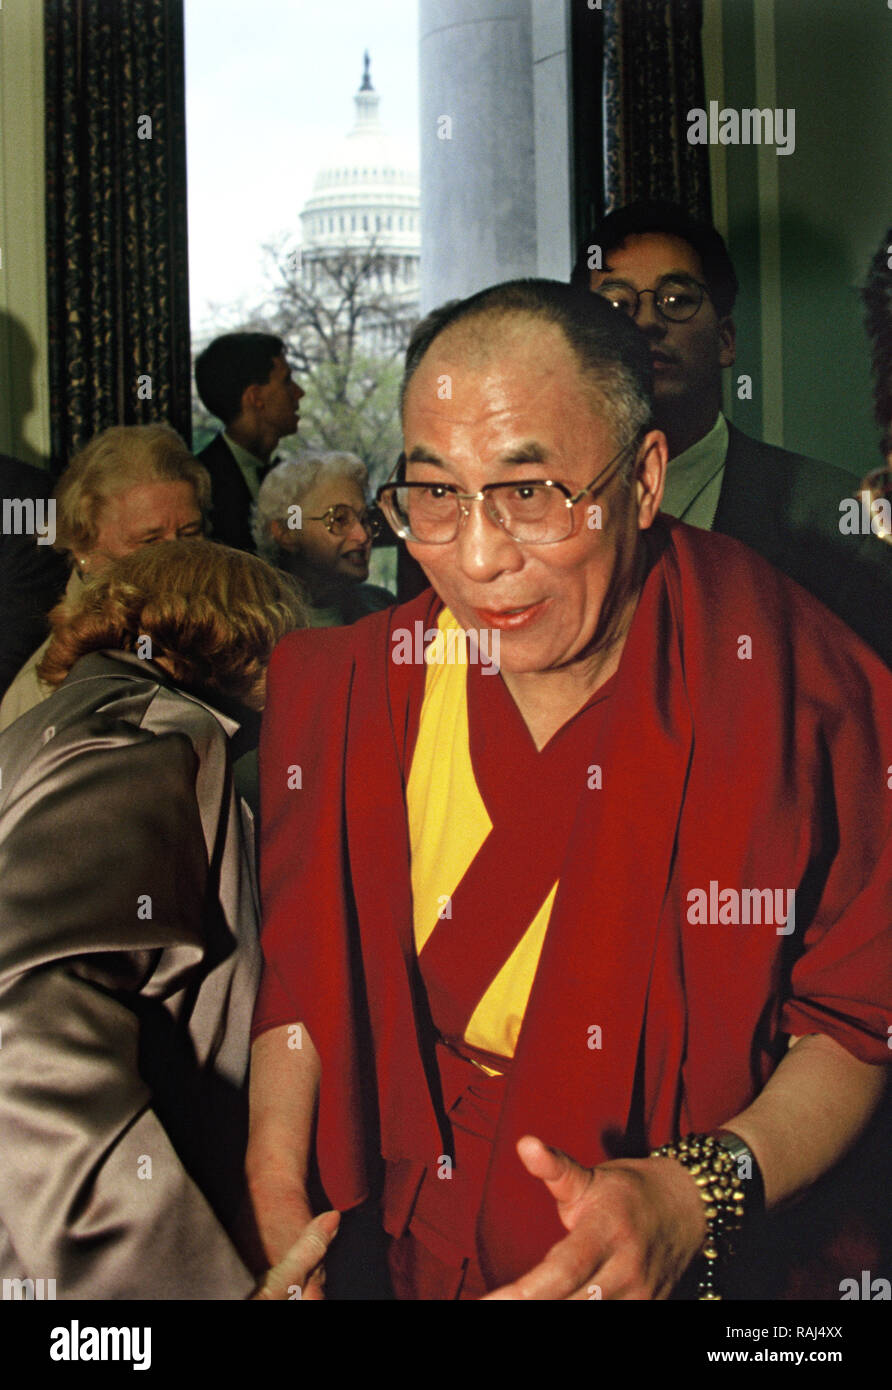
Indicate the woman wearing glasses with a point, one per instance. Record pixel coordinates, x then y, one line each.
311 520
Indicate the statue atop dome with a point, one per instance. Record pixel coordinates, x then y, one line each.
366 99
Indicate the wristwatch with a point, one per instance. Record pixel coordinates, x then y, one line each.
748 1171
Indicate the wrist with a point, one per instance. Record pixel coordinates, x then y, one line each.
685 1197
713 1172
749 1172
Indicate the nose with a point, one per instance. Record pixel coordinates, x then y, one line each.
647 317
483 548
357 532
297 391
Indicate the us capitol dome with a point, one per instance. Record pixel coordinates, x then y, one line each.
368 188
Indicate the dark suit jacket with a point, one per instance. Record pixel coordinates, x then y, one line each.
32 576
231 497
129 962
786 507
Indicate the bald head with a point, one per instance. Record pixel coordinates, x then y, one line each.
611 357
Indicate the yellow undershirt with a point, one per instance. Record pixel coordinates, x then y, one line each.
448 824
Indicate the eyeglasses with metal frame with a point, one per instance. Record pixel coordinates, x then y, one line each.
339 518
677 298
535 511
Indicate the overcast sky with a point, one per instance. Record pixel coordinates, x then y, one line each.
269 89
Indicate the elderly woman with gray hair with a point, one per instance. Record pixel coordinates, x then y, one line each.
311 520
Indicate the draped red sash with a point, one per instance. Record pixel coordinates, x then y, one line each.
532 798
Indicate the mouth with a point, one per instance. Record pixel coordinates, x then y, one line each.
511 619
660 361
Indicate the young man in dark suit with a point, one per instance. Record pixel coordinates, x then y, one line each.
245 380
674 277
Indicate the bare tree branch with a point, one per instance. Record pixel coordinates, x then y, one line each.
345 323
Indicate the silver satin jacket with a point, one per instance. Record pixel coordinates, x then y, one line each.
129 963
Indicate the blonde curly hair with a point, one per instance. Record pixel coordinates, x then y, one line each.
213 616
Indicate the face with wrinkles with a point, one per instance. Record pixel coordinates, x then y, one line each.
519 410
339 554
159 510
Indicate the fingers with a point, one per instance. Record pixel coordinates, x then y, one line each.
291 1277
630 1237
569 1270
566 1181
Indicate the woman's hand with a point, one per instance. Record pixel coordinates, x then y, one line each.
635 1226
299 1273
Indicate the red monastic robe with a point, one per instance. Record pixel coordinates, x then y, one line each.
745 745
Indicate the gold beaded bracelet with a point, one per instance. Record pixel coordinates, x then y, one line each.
715 1172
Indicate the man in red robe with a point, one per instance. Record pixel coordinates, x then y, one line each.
584 851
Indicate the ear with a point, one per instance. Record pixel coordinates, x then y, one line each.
727 342
286 538
252 399
650 476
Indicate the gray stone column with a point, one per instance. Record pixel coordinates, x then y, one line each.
553 123
478 168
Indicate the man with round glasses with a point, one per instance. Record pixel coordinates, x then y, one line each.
673 276
498 978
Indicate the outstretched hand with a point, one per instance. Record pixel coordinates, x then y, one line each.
634 1227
